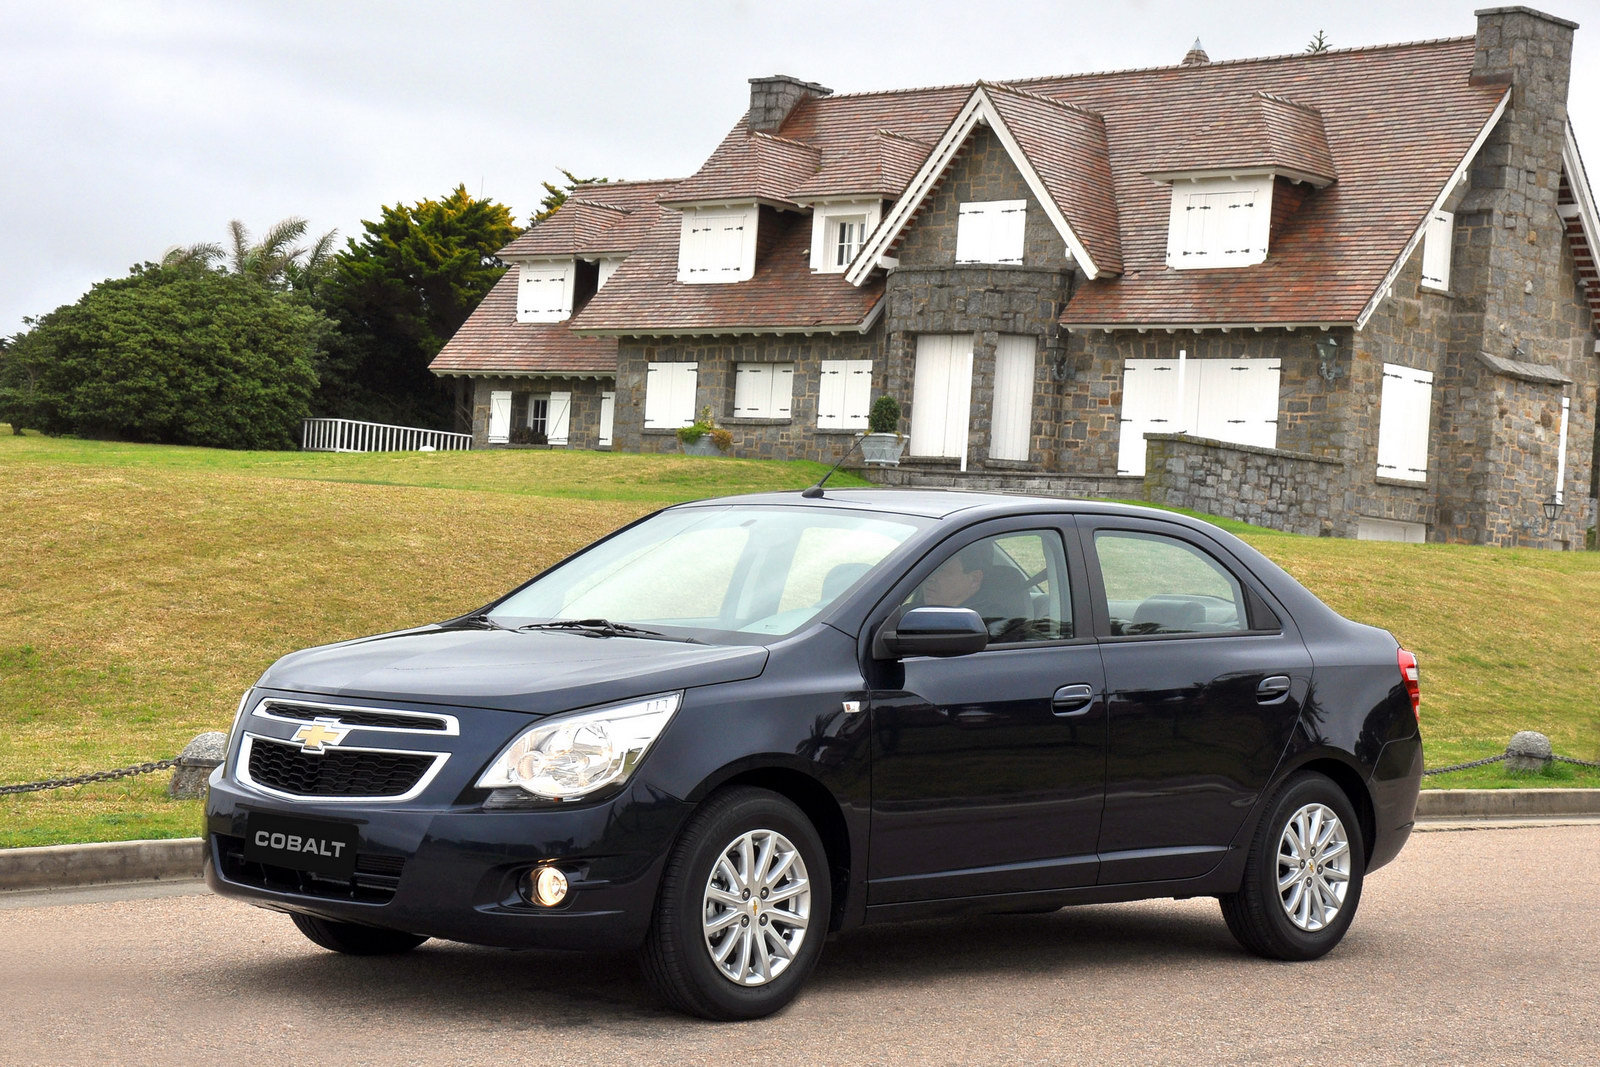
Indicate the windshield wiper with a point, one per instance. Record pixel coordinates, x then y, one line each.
605 628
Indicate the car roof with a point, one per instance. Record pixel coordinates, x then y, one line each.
943 503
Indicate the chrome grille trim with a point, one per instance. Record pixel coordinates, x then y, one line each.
444 725
242 772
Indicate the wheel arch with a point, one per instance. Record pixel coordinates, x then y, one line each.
1354 787
817 802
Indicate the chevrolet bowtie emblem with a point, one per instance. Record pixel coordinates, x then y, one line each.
319 736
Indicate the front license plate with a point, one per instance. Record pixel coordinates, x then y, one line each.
325 848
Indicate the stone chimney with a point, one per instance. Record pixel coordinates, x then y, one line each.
1196 56
771 99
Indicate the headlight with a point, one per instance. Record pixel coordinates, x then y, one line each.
574 755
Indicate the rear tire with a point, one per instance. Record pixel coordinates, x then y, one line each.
743 908
1302 879
353 939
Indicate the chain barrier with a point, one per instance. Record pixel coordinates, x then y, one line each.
1579 762
93 776
1507 755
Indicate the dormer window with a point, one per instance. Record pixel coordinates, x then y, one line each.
1219 222
717 245
990 231
838 232
544 291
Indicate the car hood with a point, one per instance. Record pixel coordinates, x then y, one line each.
538 672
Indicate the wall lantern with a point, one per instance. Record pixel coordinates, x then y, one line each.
1552 511
1328 357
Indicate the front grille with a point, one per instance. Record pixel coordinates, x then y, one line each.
354 717
337 773
376 878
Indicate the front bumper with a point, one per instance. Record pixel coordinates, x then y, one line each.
453 872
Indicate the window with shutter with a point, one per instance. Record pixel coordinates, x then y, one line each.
837 232
1405 407
763 390
941 396
991 231
1436 242
844 392
608 414
499 416
717 246
669 392
1011 423
544 292
560 418
1219 223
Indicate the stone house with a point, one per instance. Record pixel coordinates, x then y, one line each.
1348 293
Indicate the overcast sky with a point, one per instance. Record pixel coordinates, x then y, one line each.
128 127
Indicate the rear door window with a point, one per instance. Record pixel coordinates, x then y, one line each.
1163 585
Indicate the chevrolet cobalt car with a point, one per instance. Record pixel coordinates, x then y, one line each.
738 726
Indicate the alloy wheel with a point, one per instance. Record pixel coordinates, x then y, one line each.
1313 867
757 907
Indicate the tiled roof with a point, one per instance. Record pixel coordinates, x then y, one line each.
879 164
1067 147
492 341
1397 120
602 217
750 165
645 295
1259 131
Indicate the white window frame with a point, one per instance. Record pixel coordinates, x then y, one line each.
1216 238
844 394
991 231
763 390
538 420
1405 411
717 245
544 290
1437 240
825 223
669 395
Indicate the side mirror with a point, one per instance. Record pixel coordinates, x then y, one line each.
932 632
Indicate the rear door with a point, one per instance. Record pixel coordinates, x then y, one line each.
1205 680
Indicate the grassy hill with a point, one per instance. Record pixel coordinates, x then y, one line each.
142 588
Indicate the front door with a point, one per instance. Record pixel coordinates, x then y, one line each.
941 396
988 769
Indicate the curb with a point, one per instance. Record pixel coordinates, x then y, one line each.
110 862
102 863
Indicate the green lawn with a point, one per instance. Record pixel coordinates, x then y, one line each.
142 588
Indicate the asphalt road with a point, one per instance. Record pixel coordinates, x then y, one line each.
1476 946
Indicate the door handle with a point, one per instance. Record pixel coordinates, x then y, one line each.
1273 689
1072 700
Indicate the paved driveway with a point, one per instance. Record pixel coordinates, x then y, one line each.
1474 947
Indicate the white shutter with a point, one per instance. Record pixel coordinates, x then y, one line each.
972 234
752 389
669 395
941 396
1405 407
857 393
499 417
542 293
1436 242
559 419
781 404
1009 226
1152 402
608 414
1011 421
1235 400
830 394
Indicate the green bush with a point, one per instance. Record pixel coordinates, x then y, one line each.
170 355
884 416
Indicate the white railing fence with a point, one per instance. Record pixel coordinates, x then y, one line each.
349 435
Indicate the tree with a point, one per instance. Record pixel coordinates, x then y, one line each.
274 261
1319 43
398 294
170 354
555 195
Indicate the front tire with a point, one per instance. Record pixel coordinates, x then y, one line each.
353 939
743 908
1302 880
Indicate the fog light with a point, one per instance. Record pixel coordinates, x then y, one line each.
545 886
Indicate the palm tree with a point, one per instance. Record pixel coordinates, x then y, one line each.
274 260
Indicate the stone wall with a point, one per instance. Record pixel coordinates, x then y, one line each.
1292 491
583 427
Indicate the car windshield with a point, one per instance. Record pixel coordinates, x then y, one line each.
760 571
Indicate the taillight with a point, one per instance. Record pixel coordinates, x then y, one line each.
1408 675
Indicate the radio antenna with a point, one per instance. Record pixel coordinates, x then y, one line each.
814 491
